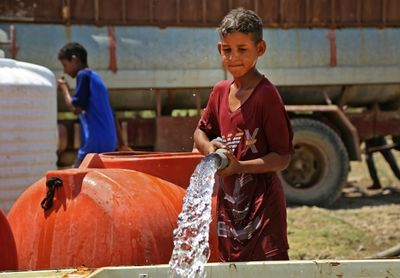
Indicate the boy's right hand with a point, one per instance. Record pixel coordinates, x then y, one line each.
216 144
62 83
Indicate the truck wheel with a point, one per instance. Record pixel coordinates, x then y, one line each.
319 167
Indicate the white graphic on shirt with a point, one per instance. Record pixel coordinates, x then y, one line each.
239 210
248 231
238 215
240 235
222 229
232 141
251 140
238 198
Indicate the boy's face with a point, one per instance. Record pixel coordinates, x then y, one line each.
239 52
71 67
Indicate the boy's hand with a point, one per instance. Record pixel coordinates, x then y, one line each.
215 144
63 84
233 166
64 89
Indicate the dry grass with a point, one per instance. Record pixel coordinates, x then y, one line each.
361 223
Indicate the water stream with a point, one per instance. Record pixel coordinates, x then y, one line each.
191 248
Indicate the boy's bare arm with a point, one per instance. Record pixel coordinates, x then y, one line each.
203 143
63 85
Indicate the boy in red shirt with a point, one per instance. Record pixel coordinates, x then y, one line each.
248 114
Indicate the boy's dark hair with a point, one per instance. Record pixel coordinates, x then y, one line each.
244 21
73 48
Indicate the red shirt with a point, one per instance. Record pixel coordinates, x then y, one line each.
251 207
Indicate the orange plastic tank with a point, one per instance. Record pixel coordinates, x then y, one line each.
173 167
98 216
8 253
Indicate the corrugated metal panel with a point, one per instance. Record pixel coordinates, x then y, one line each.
28 138
201 13
191 60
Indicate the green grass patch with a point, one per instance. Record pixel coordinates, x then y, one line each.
316 233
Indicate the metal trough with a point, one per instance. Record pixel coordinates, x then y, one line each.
278 269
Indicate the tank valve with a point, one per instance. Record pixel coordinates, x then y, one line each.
223 160
52 184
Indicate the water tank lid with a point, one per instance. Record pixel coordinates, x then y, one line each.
14 72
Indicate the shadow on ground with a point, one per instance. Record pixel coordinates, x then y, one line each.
354 196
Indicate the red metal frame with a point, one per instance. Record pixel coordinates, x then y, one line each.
11 42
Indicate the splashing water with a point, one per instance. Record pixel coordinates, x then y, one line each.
191 248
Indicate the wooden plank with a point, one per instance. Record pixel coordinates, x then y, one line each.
191 12
165 12
139 12
202 13
392 13
216 10
82 11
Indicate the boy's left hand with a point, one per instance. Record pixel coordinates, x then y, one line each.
233 166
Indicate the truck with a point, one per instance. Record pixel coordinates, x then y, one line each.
335 63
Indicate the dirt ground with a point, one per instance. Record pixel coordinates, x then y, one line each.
361 224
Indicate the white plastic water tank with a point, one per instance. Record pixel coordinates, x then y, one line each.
28 127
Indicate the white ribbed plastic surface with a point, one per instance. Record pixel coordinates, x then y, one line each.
28 127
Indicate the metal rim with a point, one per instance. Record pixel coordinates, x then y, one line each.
307 167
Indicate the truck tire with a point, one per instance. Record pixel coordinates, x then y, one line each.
319 167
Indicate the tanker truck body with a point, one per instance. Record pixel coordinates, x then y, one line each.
336 65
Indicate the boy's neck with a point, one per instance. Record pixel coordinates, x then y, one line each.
249 80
